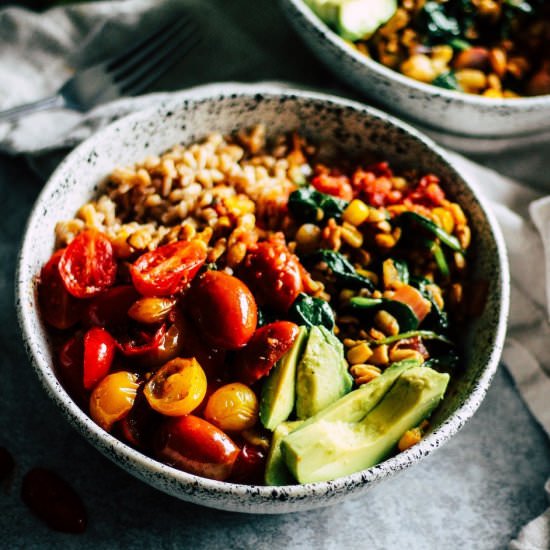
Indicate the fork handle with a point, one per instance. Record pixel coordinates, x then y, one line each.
40 105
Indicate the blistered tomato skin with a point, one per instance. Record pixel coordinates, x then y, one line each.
265 348
177 388
70 368
168 269
233 408
250 465
224 309
113 398
194 445
273 275
87 266
110 308
60 309
99 352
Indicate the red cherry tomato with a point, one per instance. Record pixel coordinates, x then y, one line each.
142 342
110 308
273 275
194 445
59 308
250 465
139 425
88 265
99 352
168 269
265 348
224 310
70 368
337 185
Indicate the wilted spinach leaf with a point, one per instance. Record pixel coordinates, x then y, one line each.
309 205
310 311
447 80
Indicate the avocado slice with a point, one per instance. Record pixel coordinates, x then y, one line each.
329 448
279 390
276 471
354 19
322 376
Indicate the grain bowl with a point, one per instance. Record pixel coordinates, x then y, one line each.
343 128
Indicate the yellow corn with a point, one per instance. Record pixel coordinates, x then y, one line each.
385 240
380 355
409 438
445 218
239 205
351 235
458 214
356 212
308 236
359 353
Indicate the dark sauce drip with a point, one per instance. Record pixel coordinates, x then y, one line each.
54 501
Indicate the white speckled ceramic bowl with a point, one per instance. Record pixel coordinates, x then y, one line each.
429 106
341 123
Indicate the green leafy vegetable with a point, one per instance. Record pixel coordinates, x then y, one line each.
424 334
309 205
402 270
447 80
459 44
437 24
445 361
437 319
439 257
403 313
310 311
413 218
341 268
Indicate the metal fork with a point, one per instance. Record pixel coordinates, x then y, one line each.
128 73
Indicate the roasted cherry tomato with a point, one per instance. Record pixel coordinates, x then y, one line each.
273 275
59 308
150 311
265 348
233 408
87 266
168 269
70 367
99 352
337 185
113 398
177 388
250 465
141 342
224 310
139 426
110 308
194 445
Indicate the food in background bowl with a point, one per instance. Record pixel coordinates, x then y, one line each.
247 310
492 48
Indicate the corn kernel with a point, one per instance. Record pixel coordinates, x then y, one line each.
380 355
445 218
385 240
359 353
458 214
356 212
351 235
409 438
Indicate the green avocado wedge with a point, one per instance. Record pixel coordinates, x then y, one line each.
276 471
279 390
322 375
332 445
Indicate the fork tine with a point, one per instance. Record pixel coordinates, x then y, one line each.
120 61
132 63
153 67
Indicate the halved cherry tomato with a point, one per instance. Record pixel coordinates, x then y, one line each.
250 465
177 388
224 310
168 269
194 445
99 352
110 308
273 275
233 408
140 424
87 266
70 368
59 308
141 342
113 398
265 348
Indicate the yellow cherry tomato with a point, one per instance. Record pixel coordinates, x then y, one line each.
113 398
177 388
233 408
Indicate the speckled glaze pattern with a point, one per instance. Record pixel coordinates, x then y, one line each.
346 126
445 110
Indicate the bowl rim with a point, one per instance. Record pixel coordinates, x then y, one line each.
136 461
468 99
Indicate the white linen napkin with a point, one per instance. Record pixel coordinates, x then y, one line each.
36 56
